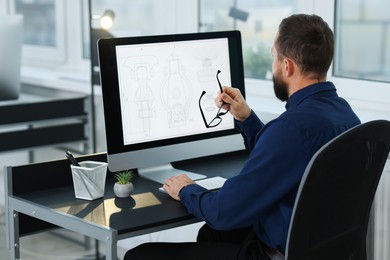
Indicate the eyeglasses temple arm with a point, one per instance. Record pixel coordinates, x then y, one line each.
201 111
219 83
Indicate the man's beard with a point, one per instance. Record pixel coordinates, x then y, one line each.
280 88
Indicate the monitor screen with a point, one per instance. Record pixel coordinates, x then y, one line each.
158 96
11 31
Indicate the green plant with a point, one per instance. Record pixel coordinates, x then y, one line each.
124 177
257 61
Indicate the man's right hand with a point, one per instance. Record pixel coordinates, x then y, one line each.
235 102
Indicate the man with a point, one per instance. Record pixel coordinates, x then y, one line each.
250 215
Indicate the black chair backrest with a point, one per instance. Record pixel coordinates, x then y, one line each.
333 203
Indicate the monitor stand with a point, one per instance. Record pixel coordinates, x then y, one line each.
162 172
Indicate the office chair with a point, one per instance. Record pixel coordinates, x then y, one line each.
332 208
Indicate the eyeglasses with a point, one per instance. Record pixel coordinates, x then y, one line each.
217 119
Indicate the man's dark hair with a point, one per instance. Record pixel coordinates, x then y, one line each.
308 40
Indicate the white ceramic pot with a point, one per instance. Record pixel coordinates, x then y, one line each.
123 190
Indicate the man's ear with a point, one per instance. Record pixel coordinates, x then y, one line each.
288 67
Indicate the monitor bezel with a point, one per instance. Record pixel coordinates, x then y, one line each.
110 86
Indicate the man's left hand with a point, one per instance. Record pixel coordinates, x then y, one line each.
174 184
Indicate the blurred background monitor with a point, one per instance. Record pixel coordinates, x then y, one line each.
11 31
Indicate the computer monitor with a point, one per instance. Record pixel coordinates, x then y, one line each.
151 87
11 31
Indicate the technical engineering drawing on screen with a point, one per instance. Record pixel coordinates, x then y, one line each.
161 83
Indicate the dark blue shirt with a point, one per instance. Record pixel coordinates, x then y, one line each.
262 195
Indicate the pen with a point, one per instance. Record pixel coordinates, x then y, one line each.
72 160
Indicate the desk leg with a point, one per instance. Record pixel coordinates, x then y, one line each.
111 249
14 241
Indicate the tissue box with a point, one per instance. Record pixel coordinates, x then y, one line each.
89 179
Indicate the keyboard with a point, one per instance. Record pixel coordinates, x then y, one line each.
212 183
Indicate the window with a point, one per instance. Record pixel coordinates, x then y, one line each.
53 42
140 17
61 59
40 24
258 22
147 17
363 39
43 28
130 17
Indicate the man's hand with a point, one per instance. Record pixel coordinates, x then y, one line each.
235 102
174 184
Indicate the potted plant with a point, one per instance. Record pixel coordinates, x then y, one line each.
123 186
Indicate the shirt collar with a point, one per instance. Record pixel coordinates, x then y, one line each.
296 98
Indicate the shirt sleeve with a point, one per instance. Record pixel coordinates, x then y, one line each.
264 182
250 128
